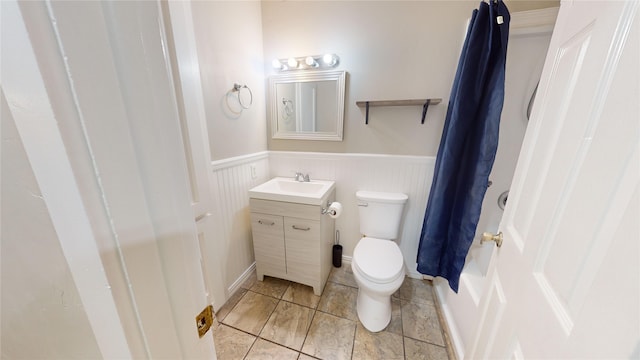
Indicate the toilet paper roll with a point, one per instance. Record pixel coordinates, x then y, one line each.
335 209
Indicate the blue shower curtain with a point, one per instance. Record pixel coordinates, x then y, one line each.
467 147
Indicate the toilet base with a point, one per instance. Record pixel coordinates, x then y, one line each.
373 311
374 300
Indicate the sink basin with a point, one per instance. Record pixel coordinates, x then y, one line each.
289 190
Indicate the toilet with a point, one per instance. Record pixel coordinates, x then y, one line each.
377 263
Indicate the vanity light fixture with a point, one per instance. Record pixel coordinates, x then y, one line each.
319 62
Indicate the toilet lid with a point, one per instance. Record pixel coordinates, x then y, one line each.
378 260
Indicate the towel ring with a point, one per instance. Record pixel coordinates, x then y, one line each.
287 111
237 88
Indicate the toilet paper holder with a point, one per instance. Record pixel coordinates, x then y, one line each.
327 210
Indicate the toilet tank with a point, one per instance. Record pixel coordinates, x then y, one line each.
380 213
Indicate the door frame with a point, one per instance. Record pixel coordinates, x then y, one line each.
185 69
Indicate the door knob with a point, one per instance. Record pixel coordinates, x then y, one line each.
490 237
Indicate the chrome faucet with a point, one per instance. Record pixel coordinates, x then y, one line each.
301 177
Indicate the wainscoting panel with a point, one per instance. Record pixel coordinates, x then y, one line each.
352 172
232 179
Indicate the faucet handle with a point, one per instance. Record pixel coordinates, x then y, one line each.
306 178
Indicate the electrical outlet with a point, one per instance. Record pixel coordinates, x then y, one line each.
253 171
204 320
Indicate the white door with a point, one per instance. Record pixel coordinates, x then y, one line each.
88 88
186 71
566 283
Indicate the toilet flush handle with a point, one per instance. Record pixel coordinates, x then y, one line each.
363 204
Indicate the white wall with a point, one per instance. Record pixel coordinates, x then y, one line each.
229 41
391 50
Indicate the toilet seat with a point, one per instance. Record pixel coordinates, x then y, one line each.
378 260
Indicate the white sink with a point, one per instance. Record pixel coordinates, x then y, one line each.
289 190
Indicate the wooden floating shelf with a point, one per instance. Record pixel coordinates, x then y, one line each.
412 102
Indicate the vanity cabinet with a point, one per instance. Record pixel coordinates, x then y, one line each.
292 241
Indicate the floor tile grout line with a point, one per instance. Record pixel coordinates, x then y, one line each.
244 331
404 349
251 347
268 318
353 343
288 347
425 341
234 306
307 333
263 338
276 343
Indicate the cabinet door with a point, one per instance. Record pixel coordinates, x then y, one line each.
268 244
303 249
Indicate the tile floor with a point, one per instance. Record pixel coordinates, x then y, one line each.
278 319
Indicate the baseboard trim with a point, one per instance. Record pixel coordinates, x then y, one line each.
454 344
238 283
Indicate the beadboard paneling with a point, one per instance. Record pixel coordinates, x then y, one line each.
232 179
352 172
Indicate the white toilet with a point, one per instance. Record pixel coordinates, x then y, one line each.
377 263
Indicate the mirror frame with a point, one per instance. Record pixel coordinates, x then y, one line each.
307 76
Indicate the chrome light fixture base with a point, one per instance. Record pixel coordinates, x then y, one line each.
315 62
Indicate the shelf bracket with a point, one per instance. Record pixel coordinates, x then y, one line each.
424 110
425 103
366 118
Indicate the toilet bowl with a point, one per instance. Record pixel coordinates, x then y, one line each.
378 268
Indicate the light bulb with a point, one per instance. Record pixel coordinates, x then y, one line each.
329 59
311 61
276 64
292 62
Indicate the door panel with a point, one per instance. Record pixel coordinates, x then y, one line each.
566 69
565 281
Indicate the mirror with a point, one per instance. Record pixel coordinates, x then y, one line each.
307 105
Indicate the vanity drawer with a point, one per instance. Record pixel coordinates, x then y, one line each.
304 211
